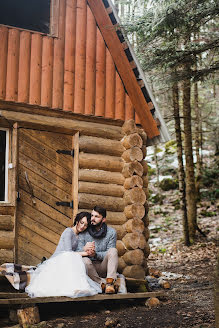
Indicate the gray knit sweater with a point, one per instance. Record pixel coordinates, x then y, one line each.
102 245
67 242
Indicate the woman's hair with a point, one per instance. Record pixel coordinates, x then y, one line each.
80 216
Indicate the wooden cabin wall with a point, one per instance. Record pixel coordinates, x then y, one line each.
73 72
113 174
8 210
7 233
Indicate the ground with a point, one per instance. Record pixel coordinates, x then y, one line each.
189 303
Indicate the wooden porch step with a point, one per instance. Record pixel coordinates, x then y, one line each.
22 298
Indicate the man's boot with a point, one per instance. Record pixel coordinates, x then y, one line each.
110 286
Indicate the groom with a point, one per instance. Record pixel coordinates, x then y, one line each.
99 241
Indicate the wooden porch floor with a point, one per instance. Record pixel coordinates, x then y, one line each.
23 298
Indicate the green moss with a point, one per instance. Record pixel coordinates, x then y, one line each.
208 214
157 199
162 250
170 147
168 184
151 171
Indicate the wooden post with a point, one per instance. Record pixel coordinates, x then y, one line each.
3 60
120 99
100 75
15 145
58 60
24 67
46 83
110 86
80 56
35 69
75 173
129 108
69 68
12 65
90 64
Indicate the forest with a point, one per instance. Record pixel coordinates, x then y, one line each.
177 45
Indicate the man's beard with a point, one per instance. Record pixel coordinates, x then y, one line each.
98 225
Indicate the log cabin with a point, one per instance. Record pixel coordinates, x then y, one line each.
76 117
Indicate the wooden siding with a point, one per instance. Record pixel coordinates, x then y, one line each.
74 72
39 221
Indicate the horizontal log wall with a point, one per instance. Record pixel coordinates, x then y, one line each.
73 72
6 234
117 181
100 177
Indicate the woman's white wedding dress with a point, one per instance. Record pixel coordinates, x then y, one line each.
62 275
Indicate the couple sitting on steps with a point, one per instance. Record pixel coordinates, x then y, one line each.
84 263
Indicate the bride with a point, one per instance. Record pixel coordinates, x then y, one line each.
64 274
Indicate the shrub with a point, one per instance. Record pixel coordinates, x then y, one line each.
168 184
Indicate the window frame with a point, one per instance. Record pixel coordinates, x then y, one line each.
53 24
6 200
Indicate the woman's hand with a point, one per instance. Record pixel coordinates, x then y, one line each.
83 253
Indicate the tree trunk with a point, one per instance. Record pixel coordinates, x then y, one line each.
156 163
181 171
190 176
197 139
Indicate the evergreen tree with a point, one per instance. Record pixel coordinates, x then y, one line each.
177 42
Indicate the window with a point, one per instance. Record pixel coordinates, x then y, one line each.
4 138
27 14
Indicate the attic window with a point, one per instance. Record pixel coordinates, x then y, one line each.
26 14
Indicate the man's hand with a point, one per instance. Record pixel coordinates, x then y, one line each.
89 247
91 253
